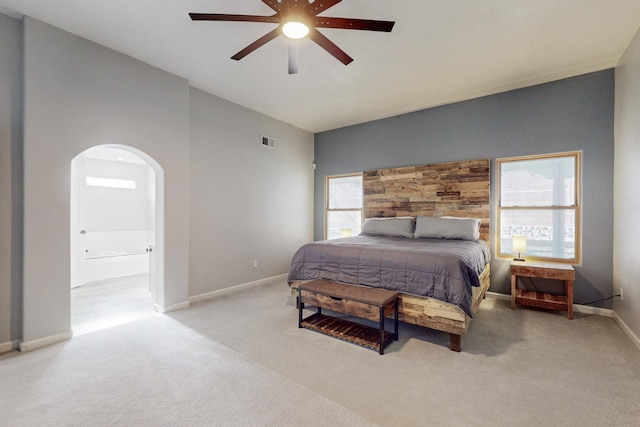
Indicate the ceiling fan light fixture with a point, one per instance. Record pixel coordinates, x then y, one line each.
298 19
295 30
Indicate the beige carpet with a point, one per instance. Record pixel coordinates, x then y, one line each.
240 360
153 372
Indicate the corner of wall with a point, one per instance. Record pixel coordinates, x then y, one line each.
627 330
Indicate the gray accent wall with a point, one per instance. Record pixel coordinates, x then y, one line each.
566 115
10 181
626 251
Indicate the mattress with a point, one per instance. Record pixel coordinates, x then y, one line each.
443 269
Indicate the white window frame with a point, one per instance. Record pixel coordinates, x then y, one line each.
327 209
576 206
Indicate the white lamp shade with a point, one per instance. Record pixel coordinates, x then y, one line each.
519 244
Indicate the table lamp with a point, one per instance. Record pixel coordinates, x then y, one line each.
519 245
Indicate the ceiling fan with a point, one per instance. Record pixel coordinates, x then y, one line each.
298 19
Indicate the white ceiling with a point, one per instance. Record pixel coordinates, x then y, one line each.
440 51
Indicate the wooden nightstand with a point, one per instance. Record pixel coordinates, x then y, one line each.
543 270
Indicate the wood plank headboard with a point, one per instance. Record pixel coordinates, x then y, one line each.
458 189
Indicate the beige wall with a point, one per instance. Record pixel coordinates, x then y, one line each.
10 181
626 253
77 95
248 202
236 196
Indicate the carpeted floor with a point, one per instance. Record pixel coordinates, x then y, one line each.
240 360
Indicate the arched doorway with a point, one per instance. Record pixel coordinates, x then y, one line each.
116 236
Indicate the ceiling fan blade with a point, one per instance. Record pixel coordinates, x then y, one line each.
294 56
230 17
329 46
320 6
273 4
256 44
353 24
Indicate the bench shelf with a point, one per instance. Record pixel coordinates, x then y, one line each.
358 301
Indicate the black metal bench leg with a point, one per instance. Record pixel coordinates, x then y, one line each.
397 321
381 326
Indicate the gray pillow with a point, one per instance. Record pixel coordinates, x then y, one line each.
428 227
398 226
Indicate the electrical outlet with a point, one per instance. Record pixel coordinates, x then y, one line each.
255 263
621 295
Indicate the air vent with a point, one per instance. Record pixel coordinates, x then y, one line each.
268 142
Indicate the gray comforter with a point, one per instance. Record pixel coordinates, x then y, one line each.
442 269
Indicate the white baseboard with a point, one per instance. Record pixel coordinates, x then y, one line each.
173 307
9 346
598 311
117 280
232 289
499 296
42 342
627 330
578 308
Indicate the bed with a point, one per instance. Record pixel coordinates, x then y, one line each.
425 235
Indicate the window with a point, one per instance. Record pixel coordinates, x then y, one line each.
96 181
540 199
343 216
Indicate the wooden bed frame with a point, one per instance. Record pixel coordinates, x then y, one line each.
436 314
458 189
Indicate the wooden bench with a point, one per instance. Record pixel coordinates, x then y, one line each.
358 301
